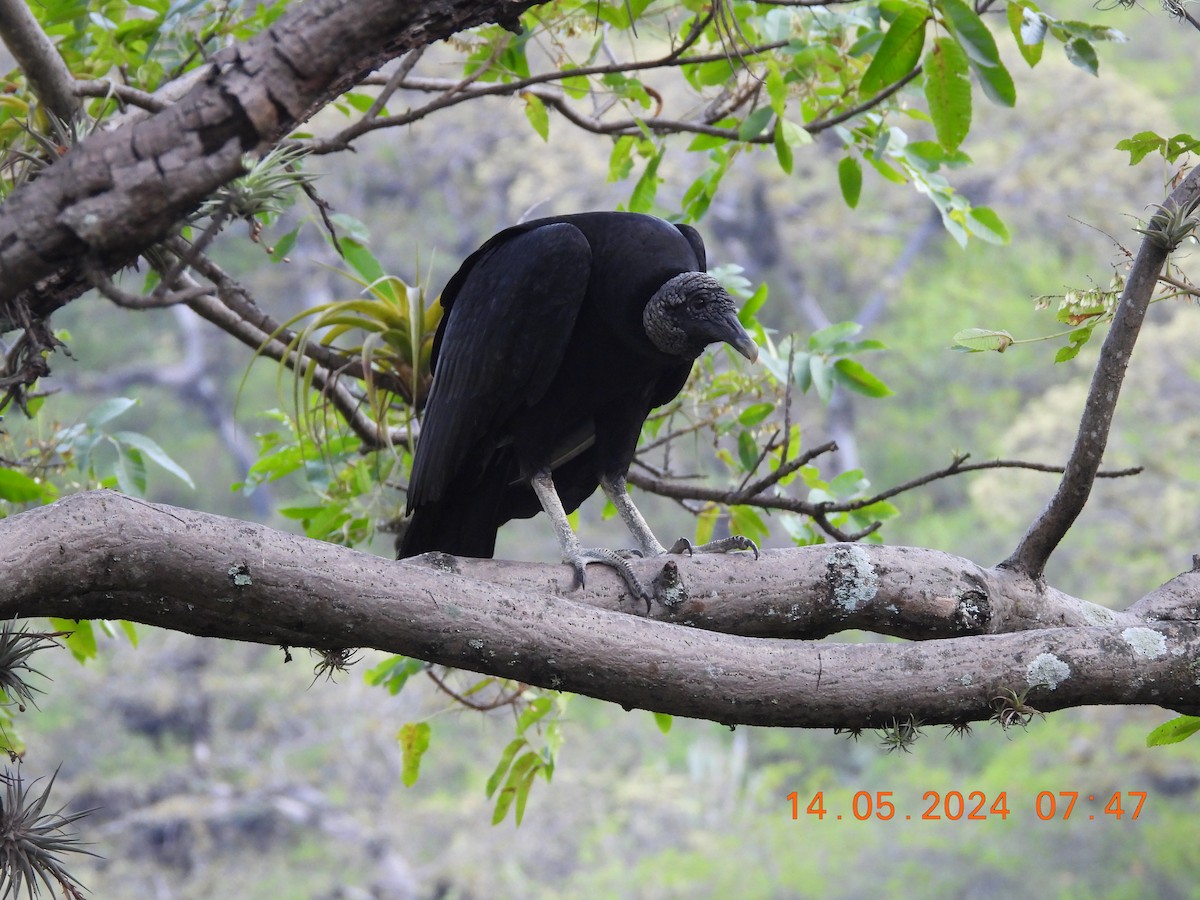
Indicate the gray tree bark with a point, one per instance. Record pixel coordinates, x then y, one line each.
722 646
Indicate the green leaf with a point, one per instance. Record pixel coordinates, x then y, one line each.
535 712
975 37
360 258
642 198
1029 28
503 765
393 672
414 741
351 228
284 245
948 92
718 71
997 84
753 125
130 470
984 223
831 335
978 340
1172 732
747 451
80 639
753 305
783 152
17 487
663 721
1082 54
108 410
822 377
130 631
848 483
746 521
850 179
706 523
620 161
899 51
536 113
516 787
155 453
855 376
1142 145
794 135
1179 145
752 415
776 88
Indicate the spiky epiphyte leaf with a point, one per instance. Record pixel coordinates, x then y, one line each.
267 187
31 842
1170 225
16 646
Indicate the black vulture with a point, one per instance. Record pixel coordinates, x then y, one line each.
558 338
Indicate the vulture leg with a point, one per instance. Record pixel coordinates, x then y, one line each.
615 489
578 556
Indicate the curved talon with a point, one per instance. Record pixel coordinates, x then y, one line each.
613 559
579 580
725 545
681 546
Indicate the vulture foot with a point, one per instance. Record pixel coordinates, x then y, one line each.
612 558
724 545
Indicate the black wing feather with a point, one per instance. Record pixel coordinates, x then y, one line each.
509 314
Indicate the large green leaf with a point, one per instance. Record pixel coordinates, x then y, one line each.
974 36
1029 28
155 454
855 376
948 92
1174 731
899 51
17 487
414 741
850 180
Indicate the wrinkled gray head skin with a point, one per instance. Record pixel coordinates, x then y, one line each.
690 312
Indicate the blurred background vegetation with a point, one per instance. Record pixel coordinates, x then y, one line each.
217 770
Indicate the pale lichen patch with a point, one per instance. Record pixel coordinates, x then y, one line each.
1098 615
1145 642
1047 671
852 577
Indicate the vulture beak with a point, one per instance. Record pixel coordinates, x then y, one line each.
737 338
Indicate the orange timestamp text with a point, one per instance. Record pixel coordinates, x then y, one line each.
975 806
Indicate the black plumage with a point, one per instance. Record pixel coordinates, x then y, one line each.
558 338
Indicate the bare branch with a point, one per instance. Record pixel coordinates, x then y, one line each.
754 494
106 87
49 77
1039 542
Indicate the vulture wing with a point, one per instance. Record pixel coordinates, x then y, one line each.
509 314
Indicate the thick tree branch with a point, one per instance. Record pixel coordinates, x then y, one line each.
118 192
1056 519
113 557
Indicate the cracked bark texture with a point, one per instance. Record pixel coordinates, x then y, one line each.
103 555
116 193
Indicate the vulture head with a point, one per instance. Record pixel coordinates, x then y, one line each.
690 312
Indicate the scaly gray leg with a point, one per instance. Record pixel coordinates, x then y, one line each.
616 491
578 556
